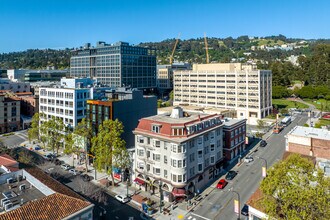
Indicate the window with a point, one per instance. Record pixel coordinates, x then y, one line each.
192 157
141 165
212 159
156 128
182 148
141 152
180 178
165 145
179 163
174 148
148 154
192 171
165 173
140 139
200 167
173 178
157 143
192 144
207 162
218 131
200 154
218 143
206 137
156 171
218 155
232 134
156 157
148 140
232 143
200 140
148 167
212 147
165 159
173 163
206 149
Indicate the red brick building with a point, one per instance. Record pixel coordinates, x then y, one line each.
29 103
309 141
234 138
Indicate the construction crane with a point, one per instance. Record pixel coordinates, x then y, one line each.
206 49
176 43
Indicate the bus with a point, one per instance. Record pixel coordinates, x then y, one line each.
286 121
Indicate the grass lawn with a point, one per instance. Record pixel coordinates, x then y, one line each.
283 103
323 122
317 103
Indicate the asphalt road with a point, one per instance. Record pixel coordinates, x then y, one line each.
219 204
14 140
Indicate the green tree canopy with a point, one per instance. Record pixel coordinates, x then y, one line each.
294 189
33 132
107 144
280 92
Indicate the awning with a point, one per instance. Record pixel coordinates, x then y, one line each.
178 192
139 181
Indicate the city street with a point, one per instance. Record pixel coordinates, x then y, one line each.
219 204
15 139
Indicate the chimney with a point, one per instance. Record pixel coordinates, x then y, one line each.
177 112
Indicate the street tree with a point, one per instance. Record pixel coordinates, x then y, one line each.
53 131
122 159
70 147
106 144
260 124
83 134
33 132
295 189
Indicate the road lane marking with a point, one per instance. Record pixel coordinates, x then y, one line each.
199 216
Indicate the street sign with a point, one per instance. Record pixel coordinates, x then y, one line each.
236 206
264 172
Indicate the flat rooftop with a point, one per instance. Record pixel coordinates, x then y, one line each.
193 108
310 132
232 121
16 196
188 117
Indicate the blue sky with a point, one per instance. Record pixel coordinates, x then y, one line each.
28 24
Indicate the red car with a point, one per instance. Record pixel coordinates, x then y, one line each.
221 184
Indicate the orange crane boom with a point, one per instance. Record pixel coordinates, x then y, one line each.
207 49
176 43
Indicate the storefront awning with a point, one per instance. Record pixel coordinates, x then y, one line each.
139 181
178 192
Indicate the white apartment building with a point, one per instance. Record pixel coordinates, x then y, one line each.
67 101
229 86
181 152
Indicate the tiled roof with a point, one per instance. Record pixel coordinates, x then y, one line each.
54 207
52 183
7 160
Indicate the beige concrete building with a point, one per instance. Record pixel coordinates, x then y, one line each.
9 113
228 86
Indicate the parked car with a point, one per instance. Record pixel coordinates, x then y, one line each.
58 162
37 147
245 210
248 159
263 143
74 171
85 178
66 166
49 157
230 175
122 199
222 183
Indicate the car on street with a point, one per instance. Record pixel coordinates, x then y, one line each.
222 183
85 178
245 210
263 143
49 156
122 199
230 175
248 159
58 162
74 171
37 147
66 167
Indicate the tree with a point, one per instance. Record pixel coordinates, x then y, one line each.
82 134
33 132
295 189
70 147
53 131
107 144
25 157
280 92
260 124
122 159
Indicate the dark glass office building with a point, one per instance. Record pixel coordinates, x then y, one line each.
116 65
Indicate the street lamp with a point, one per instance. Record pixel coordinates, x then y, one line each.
160 196
264 169
237 203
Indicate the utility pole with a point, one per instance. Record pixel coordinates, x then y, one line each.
237 204
264 169
160 196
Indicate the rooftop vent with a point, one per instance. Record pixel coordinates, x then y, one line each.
177 112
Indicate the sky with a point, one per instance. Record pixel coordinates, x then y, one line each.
57 24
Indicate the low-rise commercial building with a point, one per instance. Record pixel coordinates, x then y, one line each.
125 104
228 86
22 75
178 153
31 194
6 84
310 141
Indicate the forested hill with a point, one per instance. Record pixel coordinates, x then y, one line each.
268 52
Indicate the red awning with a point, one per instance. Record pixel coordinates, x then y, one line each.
178 192
139 181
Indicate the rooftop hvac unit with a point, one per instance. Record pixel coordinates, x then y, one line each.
22 187
8 206
2 201
6 203
10 180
